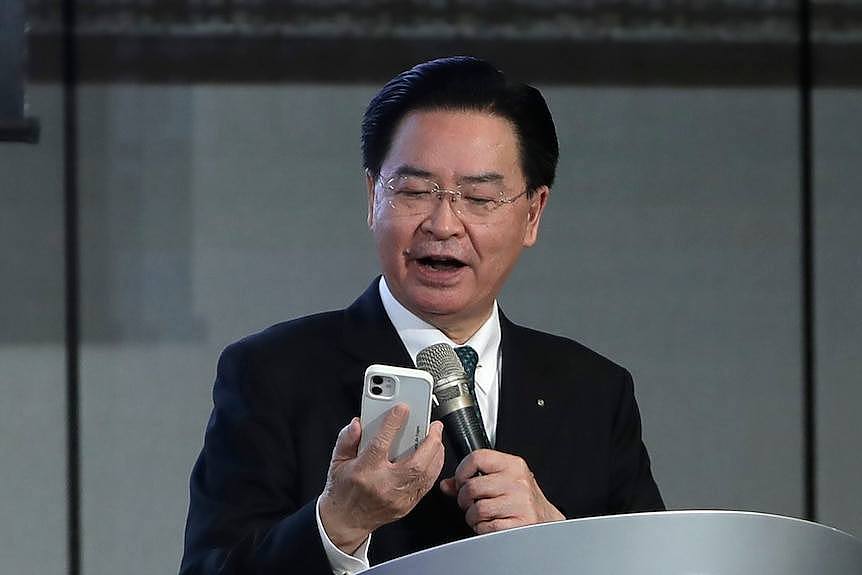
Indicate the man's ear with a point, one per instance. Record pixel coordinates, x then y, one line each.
369 184
534 215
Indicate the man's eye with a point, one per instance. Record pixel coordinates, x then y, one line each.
480 200
414 194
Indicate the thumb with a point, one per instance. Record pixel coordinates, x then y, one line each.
447 486
348 441
392 423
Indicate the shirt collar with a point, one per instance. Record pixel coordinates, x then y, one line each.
417 334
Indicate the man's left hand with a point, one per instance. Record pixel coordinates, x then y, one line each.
506 495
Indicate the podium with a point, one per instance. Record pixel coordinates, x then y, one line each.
667 543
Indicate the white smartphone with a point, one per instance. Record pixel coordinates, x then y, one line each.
386 385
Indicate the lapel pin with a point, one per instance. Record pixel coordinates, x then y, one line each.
540 402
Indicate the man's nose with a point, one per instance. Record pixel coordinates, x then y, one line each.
444 221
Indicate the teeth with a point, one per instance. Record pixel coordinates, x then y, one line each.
439 263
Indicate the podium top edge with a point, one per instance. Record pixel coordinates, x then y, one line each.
732 512
657 515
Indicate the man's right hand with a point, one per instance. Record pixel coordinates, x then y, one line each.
366 491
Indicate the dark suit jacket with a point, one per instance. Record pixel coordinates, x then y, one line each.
281 396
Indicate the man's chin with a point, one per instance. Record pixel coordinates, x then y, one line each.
436 301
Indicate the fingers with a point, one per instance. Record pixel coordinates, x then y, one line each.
366 491
481 487
495 525
426 462
378 448
348 441
468 467
485 461
448 487
486 510
436 430
505 495
432 443
488 461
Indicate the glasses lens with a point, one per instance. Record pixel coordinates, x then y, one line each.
410 195
480 199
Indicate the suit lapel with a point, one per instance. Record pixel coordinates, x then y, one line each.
368 336
528 403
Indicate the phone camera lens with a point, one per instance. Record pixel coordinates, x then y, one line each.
376 380
376 390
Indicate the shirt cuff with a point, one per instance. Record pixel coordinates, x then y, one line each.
340 562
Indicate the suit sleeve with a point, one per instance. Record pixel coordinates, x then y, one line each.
633 488
243 514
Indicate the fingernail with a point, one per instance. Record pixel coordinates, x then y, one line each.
399 409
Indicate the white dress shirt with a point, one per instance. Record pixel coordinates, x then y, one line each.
416 335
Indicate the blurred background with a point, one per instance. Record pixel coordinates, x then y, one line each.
197 177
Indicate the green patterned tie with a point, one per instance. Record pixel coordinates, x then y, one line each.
469 360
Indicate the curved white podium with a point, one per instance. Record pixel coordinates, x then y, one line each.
669 543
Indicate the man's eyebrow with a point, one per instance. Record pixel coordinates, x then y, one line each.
408 170
482 178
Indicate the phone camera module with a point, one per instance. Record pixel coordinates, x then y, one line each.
376 390
377 380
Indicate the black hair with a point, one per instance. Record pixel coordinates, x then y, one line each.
464 83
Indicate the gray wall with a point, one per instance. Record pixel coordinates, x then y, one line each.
32 360
838 175
671 244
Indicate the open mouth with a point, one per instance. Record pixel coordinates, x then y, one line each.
440 263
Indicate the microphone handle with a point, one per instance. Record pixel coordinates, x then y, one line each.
465 431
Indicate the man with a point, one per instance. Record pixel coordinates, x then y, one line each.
459 165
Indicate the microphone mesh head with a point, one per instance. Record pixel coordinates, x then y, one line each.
440 360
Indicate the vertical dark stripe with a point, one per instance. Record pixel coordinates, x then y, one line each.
807 257
73 330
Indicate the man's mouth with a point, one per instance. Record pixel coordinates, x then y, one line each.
440 263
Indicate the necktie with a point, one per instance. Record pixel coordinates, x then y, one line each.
469 360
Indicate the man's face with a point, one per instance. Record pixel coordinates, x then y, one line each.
443 269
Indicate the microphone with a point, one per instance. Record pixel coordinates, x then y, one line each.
453 402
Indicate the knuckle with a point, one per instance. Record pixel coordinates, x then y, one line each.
482 457
439 459
486 527
464 501
384 436
342 435
415 473
379 444
389 426
471 517
470 490
484 509
415 470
